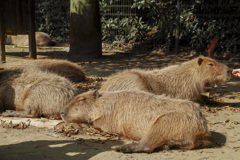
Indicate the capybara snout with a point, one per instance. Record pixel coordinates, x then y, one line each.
74 111
62 113
213 71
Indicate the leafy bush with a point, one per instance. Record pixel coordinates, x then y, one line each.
153 20
200 22
53 17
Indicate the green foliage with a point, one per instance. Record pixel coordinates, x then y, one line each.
120 28
137 27
200 22
215 22
130 28
53 17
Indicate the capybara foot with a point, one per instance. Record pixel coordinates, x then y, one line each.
9 113
13 113
133 147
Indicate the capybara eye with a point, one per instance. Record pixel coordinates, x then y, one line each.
81 99
210 64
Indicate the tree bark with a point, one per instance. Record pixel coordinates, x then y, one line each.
2 32
31 34
85 30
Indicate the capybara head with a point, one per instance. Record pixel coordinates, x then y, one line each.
78 109
212 71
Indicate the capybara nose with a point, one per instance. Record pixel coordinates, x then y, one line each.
229 72
62 113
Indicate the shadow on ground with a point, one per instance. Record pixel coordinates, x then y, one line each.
54 150
217 139
71 150
225 94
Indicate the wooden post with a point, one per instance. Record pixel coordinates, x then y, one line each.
31 33
85 30
177 28
2 32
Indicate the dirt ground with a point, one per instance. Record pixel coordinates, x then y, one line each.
221 109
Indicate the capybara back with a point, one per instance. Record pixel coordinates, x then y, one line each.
186 80
42 39
35 92
63 68
153 120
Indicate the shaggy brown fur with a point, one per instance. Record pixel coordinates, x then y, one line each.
185 81
62 67
35 93
153 120
42 39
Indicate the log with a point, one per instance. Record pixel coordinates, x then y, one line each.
10 122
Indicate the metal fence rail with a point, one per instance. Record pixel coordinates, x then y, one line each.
213 12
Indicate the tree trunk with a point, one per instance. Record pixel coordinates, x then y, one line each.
85 30
2 32
31 33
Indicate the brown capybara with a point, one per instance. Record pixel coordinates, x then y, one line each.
42 39
64 68
152 120
184 81
34 93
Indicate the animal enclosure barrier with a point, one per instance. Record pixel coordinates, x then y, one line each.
199 22
113 13
17 17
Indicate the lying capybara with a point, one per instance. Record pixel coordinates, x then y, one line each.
64 68
153 120
34 93
42 39
185 81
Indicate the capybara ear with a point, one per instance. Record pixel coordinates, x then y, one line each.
200 60
96 94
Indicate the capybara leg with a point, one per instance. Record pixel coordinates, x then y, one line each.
30 113
132 147
27 113
171 130
12 113
153 139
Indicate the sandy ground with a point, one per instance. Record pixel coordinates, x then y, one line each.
223 117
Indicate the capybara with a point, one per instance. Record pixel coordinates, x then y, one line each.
42 39
152 120
64 68
184 81
34 93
